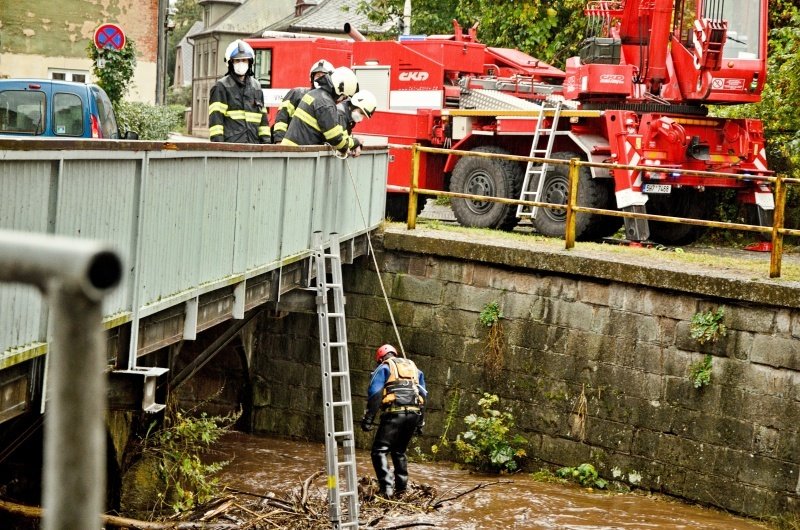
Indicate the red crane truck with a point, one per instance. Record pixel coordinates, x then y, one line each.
636 95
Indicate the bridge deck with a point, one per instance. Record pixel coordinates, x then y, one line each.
206 231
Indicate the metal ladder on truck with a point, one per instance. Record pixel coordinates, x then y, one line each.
535 173
340 454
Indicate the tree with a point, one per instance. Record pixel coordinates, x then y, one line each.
550 31
113 69
778 107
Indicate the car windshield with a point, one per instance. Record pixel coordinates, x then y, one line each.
22 111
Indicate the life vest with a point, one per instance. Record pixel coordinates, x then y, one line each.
402 385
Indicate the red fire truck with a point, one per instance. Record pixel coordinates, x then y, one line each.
636 95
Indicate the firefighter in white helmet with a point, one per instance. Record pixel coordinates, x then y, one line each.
316 121
355 109
292 99
236 111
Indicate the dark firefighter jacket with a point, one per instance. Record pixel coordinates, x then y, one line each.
286 111
236 112
316 122
344 109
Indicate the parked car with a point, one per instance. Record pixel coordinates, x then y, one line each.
48 108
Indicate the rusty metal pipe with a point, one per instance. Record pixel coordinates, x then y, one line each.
353 32
74 275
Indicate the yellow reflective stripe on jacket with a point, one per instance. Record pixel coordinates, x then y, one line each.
236 114
253 117
333 132
214 130
286 141
308 119
263 130
280 126
288 106
218 106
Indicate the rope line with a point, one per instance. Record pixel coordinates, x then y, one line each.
372 251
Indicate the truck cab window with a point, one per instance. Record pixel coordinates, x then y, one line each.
263 68
743 29
743 18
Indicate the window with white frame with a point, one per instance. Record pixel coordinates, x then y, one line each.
60 74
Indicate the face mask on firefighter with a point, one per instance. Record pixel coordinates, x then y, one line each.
241 67
356 115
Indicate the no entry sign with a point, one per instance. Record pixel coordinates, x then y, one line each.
109 36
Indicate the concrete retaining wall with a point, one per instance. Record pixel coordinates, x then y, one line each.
601 333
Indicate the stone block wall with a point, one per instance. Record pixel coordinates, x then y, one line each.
623 346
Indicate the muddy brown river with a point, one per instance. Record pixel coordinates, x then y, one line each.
263 464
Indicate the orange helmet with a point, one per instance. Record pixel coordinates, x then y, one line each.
383 351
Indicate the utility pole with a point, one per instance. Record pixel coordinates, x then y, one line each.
161 58
166 24
407 18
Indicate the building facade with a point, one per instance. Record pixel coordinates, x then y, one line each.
37 42
227 20
223 22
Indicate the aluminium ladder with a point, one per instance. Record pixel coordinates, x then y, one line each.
340 455
535 173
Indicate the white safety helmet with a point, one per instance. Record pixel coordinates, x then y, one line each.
344 81
320 67
239 49
364 100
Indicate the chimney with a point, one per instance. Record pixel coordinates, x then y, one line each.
302 5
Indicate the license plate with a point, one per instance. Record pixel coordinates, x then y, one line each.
657 188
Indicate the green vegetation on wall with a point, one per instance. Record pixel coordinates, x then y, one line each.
707 326
488 444
493 357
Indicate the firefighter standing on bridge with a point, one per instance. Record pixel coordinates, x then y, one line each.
236 111
316 121
292 99
397 388
354 110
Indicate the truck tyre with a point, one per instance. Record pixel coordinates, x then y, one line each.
754 215
593 193
397 206
491 177
680 203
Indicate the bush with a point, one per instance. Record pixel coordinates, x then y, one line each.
152 122
181 96
177 447
585 475
487 444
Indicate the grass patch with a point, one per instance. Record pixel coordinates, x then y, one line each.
755 265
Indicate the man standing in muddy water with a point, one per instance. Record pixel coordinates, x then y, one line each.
397 388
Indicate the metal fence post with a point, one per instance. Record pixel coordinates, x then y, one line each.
777 225
412 192
574 171
74 275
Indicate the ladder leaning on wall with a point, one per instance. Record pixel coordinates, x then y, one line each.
340 455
